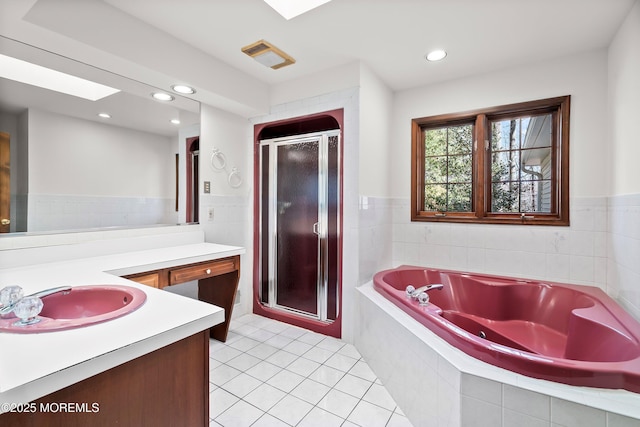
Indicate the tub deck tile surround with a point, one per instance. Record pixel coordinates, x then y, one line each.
463 391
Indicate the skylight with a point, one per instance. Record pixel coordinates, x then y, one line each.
46 78
292 8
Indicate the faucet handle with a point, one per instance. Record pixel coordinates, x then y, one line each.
410 291
9 296
27 309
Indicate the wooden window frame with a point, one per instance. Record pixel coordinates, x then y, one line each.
559 107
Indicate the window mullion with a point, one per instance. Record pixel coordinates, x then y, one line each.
480 165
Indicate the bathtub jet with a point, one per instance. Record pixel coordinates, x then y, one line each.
565 333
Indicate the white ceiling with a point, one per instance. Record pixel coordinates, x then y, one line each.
198 41
390 36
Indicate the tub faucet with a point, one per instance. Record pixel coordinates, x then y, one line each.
412 292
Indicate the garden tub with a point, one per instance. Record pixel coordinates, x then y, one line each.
565 333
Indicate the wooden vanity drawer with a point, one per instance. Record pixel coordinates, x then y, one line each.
150 279
202 270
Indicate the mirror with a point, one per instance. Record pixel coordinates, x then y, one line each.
70 169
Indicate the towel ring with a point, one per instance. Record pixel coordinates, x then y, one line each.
218 160
234 179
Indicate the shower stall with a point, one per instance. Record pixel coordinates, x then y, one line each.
299 229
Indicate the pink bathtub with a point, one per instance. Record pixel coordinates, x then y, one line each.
565 333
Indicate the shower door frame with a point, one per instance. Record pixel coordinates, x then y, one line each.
330 119
320 228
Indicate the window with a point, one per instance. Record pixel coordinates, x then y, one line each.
507 164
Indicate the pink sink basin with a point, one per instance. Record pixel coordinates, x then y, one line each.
80 307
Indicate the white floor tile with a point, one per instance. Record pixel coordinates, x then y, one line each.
310 391
320 418
293 332
279 341
318 354
241 414
276 327
354 386
222 374
224 354
269 421
244 343
241 385
378 395
262 351
243 362
302 366
367 414
219 401
340 362
338 403
244 329
398 420
311 338
291 410
281 358
362 370
327 375
271 374
331 344
350 350
213 363
285 381
264 370
261 335
297 347
264 397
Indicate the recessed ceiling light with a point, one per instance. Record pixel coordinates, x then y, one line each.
436 55
104 115
186 90
292 8
175 121
46 78
161 96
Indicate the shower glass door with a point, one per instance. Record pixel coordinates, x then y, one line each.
299 224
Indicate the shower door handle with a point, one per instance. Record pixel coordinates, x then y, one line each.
316 228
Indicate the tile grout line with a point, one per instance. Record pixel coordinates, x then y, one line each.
260 327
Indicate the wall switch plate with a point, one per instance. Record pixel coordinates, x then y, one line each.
207 187
210 213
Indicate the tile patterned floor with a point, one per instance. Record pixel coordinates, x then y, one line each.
271 374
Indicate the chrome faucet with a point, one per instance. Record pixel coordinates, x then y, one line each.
15 296
421 293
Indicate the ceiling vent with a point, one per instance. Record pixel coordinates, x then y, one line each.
268 55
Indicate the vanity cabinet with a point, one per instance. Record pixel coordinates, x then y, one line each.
141 392
217 284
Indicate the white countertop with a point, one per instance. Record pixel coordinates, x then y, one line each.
34 365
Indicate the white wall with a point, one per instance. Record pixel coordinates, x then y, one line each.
73 156
624 100
83 174
225 213
583 76
623 269
575 254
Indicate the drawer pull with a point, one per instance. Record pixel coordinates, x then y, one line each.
208 271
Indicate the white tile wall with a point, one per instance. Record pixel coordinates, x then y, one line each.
623 268
49 212
575 254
